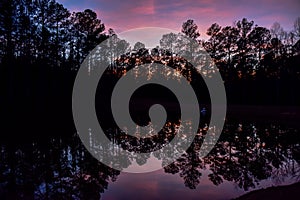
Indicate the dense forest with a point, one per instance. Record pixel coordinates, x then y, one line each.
42 45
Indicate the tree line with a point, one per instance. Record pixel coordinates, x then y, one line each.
42 45
44 32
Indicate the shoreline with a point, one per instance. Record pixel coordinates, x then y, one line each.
275 193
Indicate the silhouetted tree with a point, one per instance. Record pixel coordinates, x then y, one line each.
190 29
212 45
229 36
243 55
87 33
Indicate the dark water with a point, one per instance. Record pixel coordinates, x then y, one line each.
247 156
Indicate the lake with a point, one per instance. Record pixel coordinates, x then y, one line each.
249 155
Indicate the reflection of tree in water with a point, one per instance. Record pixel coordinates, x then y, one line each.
52 170
144 144
244 155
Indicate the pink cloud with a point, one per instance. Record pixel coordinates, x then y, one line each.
124 15
146 8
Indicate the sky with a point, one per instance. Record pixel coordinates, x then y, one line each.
123 15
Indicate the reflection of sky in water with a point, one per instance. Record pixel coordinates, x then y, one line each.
159 185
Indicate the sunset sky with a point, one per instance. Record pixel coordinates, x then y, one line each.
122 15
